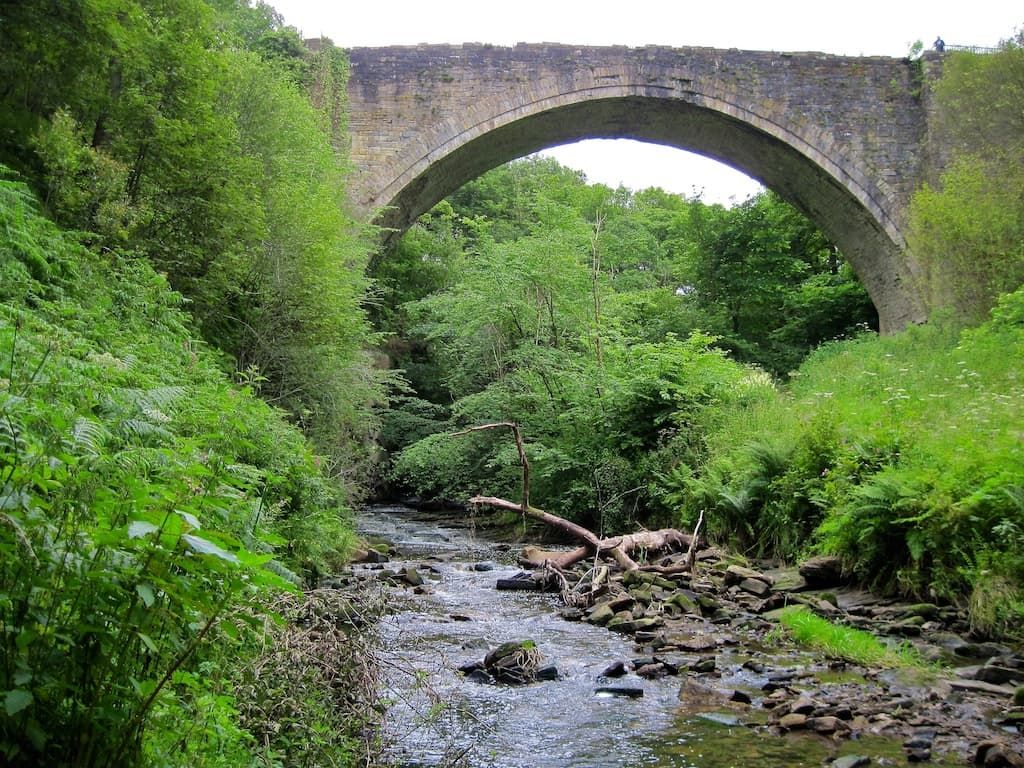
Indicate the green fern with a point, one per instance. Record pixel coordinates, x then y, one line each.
140 461
89 436
144 431
771 458
156 398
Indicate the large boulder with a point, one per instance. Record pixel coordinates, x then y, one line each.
822 571
515 662
411 576
601 614
736 574
997 754
755 587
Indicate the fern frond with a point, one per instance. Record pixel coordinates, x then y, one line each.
145 431
773 458
1015 493
156 416
89 436
160 398
740 503
139 462
19 534
9 402
12 442
246 473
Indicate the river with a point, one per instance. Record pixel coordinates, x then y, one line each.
436 717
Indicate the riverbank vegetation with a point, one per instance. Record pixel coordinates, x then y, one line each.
187 393
903 454
609 325
201 369
844 643
150 507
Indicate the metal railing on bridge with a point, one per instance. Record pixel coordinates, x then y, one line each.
971 49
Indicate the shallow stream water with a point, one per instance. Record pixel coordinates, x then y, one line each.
438 718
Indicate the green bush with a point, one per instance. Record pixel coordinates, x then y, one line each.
595 447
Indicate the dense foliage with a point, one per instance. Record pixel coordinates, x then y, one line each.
155 511
903 454
969 229
583 314
184 131
146 505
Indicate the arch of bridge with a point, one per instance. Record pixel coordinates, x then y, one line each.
839 137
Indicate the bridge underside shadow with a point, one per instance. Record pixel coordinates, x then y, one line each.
847 210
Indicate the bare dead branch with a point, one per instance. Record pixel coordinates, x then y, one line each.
691 553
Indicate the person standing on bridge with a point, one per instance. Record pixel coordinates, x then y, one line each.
940 44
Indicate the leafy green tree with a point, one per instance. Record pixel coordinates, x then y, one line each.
296 314
58 55
204 153
506 196
772 284
969 229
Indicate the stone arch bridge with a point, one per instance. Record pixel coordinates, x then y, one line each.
845 139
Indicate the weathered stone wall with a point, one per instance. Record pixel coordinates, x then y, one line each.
843 138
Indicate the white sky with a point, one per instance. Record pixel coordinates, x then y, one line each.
868 27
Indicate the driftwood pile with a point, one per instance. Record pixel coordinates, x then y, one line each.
619 548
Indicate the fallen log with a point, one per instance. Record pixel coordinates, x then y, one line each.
518 583
569 527
618 548
536 558
667 570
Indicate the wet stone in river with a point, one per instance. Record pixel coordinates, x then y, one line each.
850 761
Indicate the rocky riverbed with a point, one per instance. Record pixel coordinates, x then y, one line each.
711 639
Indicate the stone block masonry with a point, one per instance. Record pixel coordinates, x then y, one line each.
845 139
